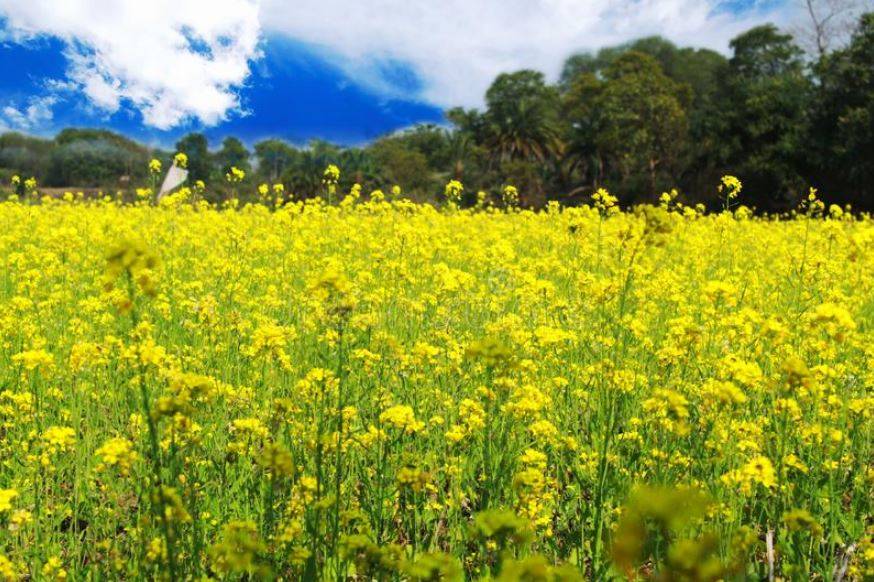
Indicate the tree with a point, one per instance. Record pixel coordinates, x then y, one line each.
22 154
95 157
583 161
699 69
360 167
429 140
233 154
694 67
91 162
521 117
762 113
273 156
469 121
459 146
195 146
402 165
303 176
639 121
842 132
764 52
830 22
465 144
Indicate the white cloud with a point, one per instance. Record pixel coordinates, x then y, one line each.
171 59
37 112
459 46
176 60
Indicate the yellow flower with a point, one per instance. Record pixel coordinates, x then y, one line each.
371 371
6 497
731 186
757 471
53 570
510 196
59 438
235 175
34 359
605 202
239 550
452 192
402 418
8 571
331 175
117 452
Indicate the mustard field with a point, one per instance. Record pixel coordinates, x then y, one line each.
391 391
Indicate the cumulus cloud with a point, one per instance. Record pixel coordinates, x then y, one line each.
171 59
459 46
37 112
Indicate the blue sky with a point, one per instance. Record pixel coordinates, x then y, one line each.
291 93
332 69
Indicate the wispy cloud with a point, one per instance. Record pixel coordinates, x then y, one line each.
458 46
35 113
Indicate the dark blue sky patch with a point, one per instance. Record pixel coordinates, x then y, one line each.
293 93
26 67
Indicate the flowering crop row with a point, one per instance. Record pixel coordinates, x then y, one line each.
384 390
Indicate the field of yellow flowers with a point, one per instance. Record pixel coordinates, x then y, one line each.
390 391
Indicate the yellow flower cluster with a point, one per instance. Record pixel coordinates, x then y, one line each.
453 191
235 175
380 389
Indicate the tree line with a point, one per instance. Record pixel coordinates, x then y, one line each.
637 119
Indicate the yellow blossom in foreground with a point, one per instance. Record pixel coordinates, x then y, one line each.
117 452
34 359
6 497
758 471
401 417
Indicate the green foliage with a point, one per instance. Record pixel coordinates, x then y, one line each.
764 101
195 146
641 121
232 154
24 154
273 156
843 124
402 165
521 121
694 67
303 175
93 157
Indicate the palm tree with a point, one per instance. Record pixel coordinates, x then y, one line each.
459 144
528 134
360 166
522 118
